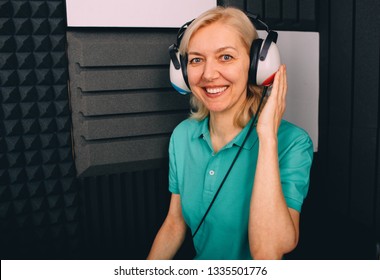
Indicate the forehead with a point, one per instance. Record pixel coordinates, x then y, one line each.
215 36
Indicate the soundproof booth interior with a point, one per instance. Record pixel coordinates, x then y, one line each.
87 110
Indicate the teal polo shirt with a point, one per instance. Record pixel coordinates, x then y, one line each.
195 173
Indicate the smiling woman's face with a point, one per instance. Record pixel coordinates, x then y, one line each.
217 68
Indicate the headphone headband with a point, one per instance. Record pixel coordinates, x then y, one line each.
256 20
181 31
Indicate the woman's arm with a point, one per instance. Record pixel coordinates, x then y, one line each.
171 234
273 227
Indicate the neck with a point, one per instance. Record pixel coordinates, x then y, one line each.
222 130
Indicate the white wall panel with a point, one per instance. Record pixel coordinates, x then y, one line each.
300 52
130 13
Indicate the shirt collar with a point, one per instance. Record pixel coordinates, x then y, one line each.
203 132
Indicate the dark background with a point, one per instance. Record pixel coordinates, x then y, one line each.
47 212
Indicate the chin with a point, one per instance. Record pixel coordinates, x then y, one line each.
214 109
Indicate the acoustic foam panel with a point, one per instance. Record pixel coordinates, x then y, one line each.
123 107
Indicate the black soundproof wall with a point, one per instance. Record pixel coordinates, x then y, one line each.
39 204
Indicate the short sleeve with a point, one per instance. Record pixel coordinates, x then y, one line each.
295 165
173 179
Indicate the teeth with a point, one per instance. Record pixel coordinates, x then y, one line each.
215 90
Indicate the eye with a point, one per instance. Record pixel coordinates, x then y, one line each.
226 57
195 60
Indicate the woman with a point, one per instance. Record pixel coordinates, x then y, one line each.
256 214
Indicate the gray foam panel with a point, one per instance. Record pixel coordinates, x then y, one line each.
123 107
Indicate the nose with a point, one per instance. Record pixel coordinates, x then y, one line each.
210 71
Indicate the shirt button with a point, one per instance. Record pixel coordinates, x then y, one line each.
211 172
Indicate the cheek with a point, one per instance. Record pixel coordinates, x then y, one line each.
193 75
236 75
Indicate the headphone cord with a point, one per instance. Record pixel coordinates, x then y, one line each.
234 160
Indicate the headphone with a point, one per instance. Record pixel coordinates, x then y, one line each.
264 59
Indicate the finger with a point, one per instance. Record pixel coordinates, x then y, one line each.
285 82
282 88
285 87
275 85
280 84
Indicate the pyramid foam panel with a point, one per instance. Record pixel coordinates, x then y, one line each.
38 200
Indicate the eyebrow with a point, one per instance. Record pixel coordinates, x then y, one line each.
218 50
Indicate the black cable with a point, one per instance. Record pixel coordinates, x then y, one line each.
234 160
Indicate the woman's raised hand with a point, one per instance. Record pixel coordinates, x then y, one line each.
271 115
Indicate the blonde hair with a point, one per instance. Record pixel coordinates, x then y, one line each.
247 32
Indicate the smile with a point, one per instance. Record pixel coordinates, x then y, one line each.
215 90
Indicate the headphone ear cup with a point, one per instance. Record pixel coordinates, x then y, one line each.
178 76
254 59
267 68
183 61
